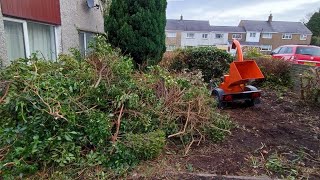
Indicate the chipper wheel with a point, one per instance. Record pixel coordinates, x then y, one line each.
218 94
251 102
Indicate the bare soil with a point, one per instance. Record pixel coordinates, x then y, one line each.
281 125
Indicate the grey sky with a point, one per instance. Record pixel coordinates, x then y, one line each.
230 12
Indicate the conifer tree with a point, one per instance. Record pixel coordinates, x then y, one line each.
137 27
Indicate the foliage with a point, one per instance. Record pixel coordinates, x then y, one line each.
212 62
315 41
138 29
281 166
98 112
311 85
252 53
276 72
314 24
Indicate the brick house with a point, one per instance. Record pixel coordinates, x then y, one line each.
266 35
272 34
187 33
46 27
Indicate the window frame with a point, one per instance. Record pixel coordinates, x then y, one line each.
171 49
253 34
287 36
26 35
189 37
233 36
85 45
266 49
303 37
205 34
220 37
267 37
170 34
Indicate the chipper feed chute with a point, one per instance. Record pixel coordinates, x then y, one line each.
234 87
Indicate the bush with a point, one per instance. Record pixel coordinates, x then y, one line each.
276 72
97 111
253 53
311 85
212 62
315 41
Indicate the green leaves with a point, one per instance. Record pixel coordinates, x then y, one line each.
66 113
138 29
212 62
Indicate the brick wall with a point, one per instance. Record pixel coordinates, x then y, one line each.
174 41
277 40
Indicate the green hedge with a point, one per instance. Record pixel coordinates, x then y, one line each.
211 61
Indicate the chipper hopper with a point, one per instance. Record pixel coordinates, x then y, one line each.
234 86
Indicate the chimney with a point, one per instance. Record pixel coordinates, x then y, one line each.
181 17
270 18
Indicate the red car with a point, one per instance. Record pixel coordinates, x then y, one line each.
298 54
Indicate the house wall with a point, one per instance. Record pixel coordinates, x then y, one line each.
253 39
176 41
221 41
3 48
199 41
75 16
277 40
244 37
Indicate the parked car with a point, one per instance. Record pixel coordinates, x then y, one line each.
298 54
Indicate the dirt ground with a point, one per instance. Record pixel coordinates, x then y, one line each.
279 138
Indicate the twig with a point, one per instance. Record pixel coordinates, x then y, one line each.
5 92
189 146
185 125
100 76
80 112
115 136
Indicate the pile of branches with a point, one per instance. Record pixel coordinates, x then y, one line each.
98 112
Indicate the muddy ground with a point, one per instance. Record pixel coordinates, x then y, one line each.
279 138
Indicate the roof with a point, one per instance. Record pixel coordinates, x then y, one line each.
187 25
228 29
275 26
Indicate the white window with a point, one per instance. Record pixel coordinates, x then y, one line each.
267 35
219 36
86 38
266 47
171 47
190 35
286 36
236 36
253 34
171 34
24 38
204 36
303 37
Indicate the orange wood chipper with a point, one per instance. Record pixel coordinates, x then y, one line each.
234 88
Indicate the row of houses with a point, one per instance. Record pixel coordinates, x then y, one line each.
266 35
46 27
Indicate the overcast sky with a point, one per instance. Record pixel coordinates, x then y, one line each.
230 12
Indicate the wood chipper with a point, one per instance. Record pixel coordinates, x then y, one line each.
234 88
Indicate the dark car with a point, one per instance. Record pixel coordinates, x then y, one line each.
299 54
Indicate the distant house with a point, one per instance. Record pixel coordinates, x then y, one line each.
266 35
49 27
271 34
227 33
